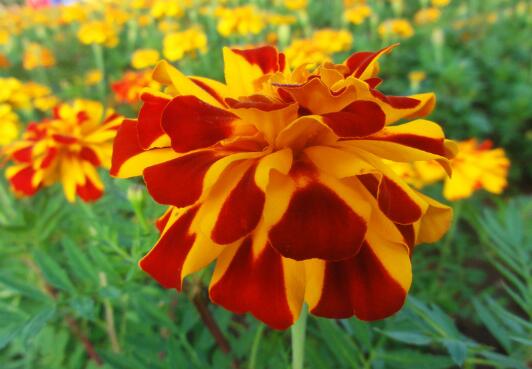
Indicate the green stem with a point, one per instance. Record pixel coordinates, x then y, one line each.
298 340
255 346
97 51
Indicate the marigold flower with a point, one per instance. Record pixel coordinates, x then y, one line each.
333 41
99 33
144 58
475 166
358 13
277 174
9 125
296 4
167 8
395 27
416 77
66 148
243 20
178 44
427 15
37 56
304 51
93 77
129 87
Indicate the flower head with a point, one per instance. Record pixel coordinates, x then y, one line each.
476 166
358 13
128 89
98 33
9 125
427 15
278 175
37 56
243 20
66 148
395 28
178 44
144 58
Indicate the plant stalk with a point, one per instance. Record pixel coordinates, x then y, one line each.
298 340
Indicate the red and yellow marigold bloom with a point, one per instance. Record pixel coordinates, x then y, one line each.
278 175
66 148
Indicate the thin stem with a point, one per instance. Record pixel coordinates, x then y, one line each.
109 316
255 346
97 50
298 340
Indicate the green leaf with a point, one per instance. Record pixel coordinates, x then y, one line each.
36 323
492 323
409 359
79 263
409 337
457 349
52 271
14 284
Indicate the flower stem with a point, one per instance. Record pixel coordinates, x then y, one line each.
255 347
298 340
99 62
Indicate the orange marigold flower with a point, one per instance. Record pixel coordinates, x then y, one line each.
36 56
66 148
128 89
278 175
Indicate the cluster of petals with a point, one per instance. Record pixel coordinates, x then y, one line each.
66 148
278 176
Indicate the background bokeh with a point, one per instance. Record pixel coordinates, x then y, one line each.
71 293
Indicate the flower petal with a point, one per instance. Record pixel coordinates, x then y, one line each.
320 217
193 124
241 211
359 118
253 278
129 159
149 121
179 182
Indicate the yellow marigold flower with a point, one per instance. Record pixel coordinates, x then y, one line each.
37 56
9 125
244 20
167 8
12 93
358 14
41 96
66 148
98 32
333 41
116 16
178 44
305 51
475 166
143 20
167 26
278 176
73 13
296 4
440 3
93 77
144 58
427 15
279 19
395 27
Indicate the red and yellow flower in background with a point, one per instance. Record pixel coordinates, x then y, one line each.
279 176
128 89
476 166
66 148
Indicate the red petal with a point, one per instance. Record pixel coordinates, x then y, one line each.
89 192
162 221
193 124
358 119
359 286
209 90
88 154
126 145
317 224
165 260
63 139
179 182
396 204
23 155
22 181
241 210
256 285
266 57
149 125
428 144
